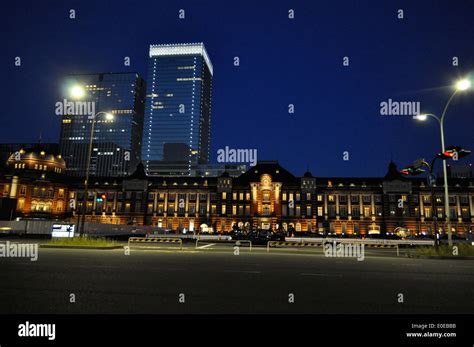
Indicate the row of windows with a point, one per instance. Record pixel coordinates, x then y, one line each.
41 206
128 195
463 199
453 212
354 198
366 211
331 197
43 192
241 196
37 167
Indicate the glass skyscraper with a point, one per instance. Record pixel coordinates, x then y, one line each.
177 125
116 142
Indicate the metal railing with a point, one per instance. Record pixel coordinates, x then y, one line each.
376 243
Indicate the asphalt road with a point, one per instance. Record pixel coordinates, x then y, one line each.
217 281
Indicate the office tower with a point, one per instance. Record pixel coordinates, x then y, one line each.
116 141
177 125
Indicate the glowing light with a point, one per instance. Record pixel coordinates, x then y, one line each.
463 84
77 92
181 49
421 117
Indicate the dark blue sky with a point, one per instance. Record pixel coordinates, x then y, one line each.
282 61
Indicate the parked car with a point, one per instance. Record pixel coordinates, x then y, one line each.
159 232
374 236
420 237
261 237
453 236
238 235
391 236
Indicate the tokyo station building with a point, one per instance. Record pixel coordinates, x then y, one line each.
267 196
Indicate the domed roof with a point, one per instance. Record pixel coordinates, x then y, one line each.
393 173
36 158
308 174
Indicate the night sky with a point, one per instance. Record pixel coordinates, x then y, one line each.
282 62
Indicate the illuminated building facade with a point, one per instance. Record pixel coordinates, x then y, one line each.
116 142
267 196
177 126
34 180
7 149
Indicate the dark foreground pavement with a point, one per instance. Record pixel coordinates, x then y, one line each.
221 282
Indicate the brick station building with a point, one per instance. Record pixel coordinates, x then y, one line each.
267 196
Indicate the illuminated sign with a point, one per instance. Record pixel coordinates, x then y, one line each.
63 230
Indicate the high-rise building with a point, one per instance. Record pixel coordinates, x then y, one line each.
117 141
177 125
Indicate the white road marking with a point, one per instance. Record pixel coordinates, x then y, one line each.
243 271
205 246
323 275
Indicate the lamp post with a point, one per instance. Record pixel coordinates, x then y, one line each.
416 169
79 92
460 86
108 116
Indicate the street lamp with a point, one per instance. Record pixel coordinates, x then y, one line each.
463 84
460 86
79 92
